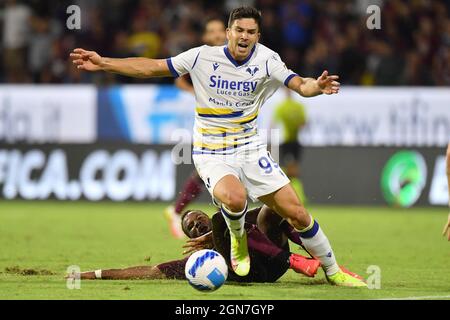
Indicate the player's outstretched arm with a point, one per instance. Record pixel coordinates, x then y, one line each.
140 272
309 87
132 67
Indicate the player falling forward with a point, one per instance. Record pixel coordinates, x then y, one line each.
268 247
231 83
214 35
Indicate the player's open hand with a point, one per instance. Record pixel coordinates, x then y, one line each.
446 231
328 84
86 60
203 242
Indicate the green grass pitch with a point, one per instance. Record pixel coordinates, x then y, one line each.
47 237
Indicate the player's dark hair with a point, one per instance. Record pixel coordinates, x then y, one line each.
245 12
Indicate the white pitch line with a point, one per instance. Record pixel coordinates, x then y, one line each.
417 298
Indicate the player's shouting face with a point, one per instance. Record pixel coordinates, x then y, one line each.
242 36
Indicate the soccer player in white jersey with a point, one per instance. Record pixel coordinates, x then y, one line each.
231 83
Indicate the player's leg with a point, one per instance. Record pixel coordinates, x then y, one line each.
231 194
271 225
221 177
277 229
268 261
285 202
191 190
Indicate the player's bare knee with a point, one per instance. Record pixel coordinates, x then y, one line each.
235 200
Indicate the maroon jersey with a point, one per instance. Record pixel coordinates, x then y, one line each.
268 262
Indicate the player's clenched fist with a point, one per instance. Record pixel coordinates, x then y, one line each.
86 60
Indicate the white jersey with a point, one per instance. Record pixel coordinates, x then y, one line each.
229 94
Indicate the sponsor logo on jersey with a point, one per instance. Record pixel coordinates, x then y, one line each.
220 83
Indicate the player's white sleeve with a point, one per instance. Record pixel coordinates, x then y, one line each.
277 70
184 62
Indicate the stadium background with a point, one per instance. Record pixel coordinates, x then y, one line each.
68 135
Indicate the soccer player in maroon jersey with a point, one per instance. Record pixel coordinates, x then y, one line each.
268 236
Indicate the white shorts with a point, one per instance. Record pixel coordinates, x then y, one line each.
256 169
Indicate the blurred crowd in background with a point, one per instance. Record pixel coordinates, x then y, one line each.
411 48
